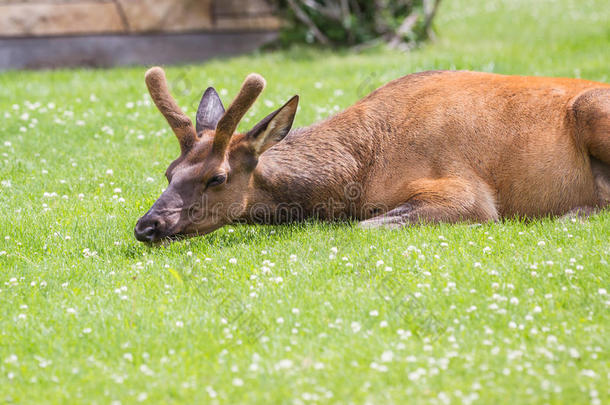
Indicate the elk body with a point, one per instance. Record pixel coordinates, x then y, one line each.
428 147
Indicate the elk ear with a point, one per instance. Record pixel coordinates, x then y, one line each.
274 127
210 110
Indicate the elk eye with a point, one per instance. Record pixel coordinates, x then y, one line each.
216 180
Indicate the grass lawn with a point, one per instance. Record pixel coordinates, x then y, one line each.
495 313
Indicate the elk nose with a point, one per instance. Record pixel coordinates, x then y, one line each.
148 228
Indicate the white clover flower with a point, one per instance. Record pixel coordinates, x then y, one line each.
211 392
417 374
284 364
89 253
146 370
387 356
379 367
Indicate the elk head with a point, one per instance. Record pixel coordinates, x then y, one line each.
208 183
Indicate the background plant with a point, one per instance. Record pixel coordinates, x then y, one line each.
400 23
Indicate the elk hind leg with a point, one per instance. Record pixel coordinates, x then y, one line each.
591 110
441 200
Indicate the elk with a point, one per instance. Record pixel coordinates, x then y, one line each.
438 146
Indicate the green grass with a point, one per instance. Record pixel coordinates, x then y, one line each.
498 313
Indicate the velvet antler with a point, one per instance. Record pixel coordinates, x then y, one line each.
180 123
250 89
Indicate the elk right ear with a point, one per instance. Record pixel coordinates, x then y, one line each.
274 127
210 110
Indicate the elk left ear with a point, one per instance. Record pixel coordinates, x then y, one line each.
274 127
210 110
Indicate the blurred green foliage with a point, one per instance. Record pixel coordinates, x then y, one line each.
351 22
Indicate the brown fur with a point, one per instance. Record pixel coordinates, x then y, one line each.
428 147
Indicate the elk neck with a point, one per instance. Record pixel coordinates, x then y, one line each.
315 172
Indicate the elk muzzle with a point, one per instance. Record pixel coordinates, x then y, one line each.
150 228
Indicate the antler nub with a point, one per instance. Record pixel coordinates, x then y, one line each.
180 123
252 86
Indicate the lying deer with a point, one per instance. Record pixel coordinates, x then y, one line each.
428 147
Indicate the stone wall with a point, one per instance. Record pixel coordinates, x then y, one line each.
36 18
